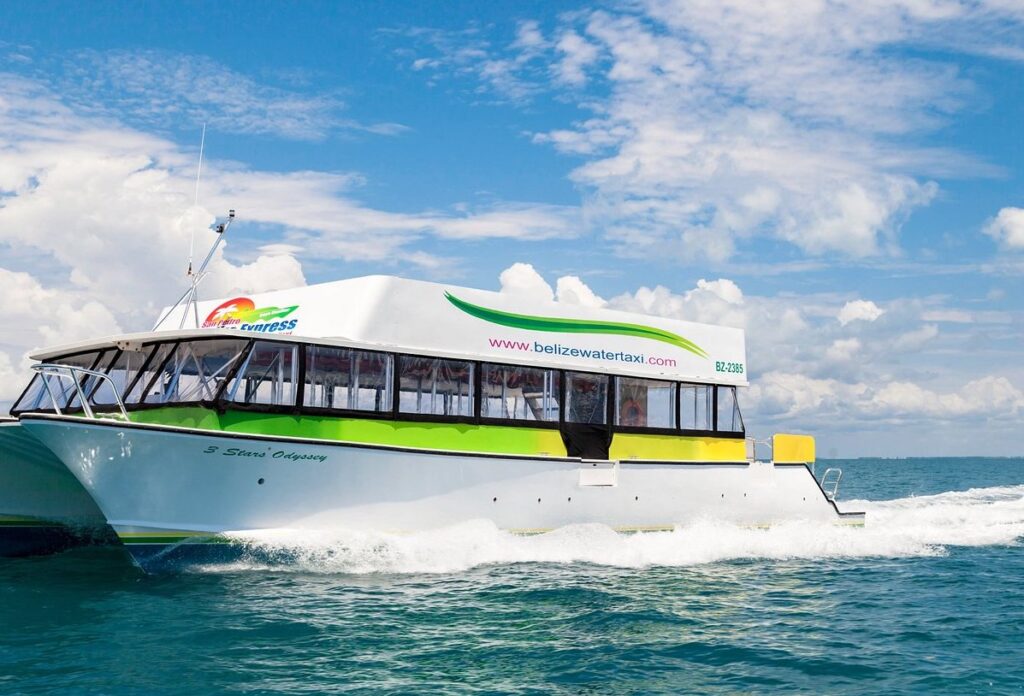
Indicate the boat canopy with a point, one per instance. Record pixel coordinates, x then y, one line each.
418 317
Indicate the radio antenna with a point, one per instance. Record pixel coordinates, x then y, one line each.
195 204
190 298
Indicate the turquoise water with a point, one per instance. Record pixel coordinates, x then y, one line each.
929 597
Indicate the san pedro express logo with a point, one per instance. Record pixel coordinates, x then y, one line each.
241 313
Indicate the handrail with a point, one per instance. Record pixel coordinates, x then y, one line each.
835 486
72 372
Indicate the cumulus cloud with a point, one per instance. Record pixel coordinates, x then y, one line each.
523 280
1007 228
37 316
572 290
806 371
859 310
843 349
709 123
105 213
788 396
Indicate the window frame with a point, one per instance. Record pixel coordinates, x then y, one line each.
212 402
712 416
644 429
110 353
397 414
609 399
516 422
302 408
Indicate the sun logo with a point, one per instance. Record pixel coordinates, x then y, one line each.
230 312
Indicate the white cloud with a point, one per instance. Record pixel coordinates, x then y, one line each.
843 349
859 310
522 279
37 316
163 88
807 373
788 396
572 290
916 339
1007 228
953 316
577 55
713 122
105 214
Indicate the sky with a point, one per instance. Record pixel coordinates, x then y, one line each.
843 180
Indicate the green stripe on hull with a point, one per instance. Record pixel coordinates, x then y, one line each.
457 437
168 539
30 523
448 437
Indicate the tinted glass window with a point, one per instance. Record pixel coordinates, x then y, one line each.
435 386
695 403
645 403
34 398
268 376
342 378
520 393
729 418
161 352
122 372
37 398
586 398
64 389
195 371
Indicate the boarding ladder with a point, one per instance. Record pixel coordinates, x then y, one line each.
832 476
78 376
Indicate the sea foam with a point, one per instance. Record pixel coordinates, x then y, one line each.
915 526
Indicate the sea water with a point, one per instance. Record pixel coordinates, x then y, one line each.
927 598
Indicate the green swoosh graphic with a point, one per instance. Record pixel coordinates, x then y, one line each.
532 323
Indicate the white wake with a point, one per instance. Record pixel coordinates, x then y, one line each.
916 526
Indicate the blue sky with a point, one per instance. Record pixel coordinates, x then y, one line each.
843 180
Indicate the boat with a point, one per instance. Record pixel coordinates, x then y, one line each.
382 403
43 507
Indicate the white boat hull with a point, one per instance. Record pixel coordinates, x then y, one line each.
160 481
43 507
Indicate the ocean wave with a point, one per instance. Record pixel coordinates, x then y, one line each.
915 526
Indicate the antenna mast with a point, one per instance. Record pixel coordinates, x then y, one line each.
195 204
190 298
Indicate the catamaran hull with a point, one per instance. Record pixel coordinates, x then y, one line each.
43 507
160 486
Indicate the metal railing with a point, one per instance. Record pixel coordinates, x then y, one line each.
74 375
825 482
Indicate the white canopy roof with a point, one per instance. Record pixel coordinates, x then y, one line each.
414 316
434 318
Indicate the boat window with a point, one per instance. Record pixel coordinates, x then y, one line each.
267 377
342 378
645 403
149 371
695 404
64 389
586 397
195 371
435 386
123 371
34 398
729 418
519 393
37 398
